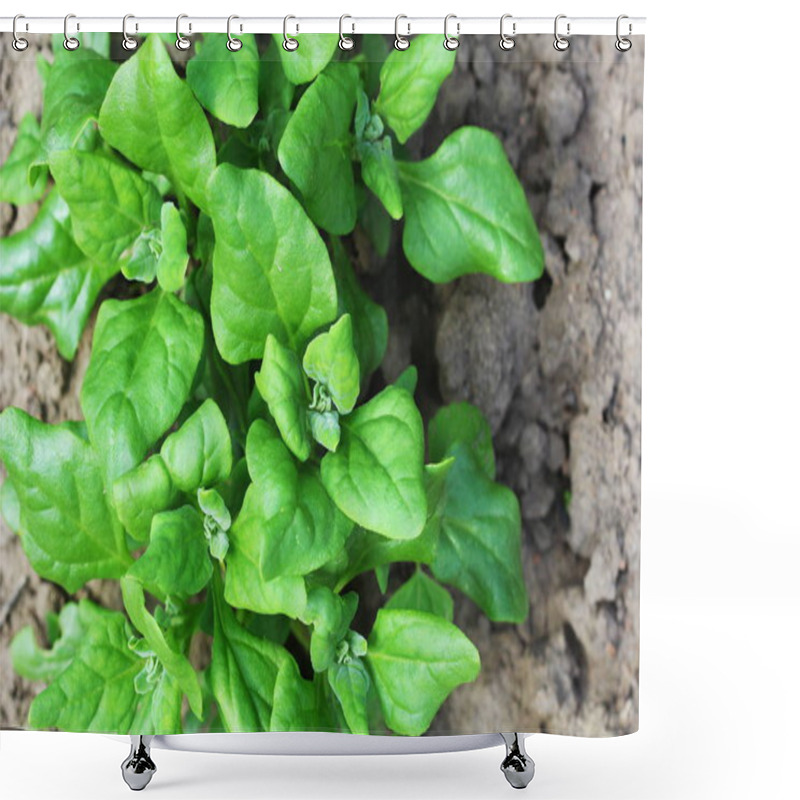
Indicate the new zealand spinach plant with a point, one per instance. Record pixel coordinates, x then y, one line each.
238 465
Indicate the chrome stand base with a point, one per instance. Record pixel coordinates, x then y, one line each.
517 766
138 768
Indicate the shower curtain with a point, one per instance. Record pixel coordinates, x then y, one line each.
320 378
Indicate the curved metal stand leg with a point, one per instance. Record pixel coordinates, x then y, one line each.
138 768
517 766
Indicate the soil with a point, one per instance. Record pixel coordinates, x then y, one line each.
555 366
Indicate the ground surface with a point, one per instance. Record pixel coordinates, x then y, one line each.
556 367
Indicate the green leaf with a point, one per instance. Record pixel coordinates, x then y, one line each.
479 545
379 171
110 205
72 99
331 361
407 379
410 82
350 683
151 116
421 593
171 264
275 91
286 511
462 423
416 660
199 452
226 82
370 324
14 184
46 279
176 562
325 428
466 212
159 711
375 477
272 273
297 703
176 664
145 353
310 58
68 532
330 615
141 493
95 693
243 672
315 150
280 382
75 620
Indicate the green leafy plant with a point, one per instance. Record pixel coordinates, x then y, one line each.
238 464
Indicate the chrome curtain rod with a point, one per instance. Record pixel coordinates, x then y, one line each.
408 26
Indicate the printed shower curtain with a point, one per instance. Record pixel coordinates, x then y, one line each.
320 385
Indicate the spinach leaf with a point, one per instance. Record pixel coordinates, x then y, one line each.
309 59
17 186
331 361
421 593
460 423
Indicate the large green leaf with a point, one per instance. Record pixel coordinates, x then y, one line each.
14 184
416 660
72 98
175 663
243 671
380 174
46 278
421 593
375 477
176 562
95 693
199 452
410 82
286 510
315 149
226 82
461 423
280 382
298 705
350 683
331 361
151 116
68 531
478 550
141 493
310 58
466 212
145 353
34 663
370 324
172 261
110 205
272 273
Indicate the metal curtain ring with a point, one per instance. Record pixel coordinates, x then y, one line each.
507 42
345 42
401 42
451 42
623 44
561 43
290 44
70 42
181 42
128 42
18 43
234 44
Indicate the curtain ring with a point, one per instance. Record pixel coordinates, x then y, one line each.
623 44
451 42
561 43
234 44
181 42
345 42
128 42
507 42
290 44
70 42
401 42
18 43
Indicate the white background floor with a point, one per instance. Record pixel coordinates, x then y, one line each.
720 703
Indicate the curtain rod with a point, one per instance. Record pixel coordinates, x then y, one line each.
513 26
